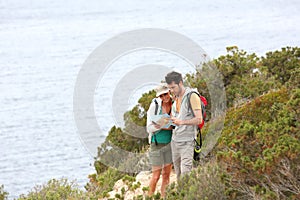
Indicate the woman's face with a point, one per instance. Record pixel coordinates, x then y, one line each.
165 97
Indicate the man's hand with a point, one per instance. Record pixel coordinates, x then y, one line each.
194 121
176 121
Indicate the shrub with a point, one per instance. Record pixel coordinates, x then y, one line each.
55 189
3 193
204 182
283 64
245 76
101 184
260 147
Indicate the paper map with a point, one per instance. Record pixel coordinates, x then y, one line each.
163 120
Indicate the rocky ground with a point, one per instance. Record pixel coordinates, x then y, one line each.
143 178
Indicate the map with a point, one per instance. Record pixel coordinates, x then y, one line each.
163 120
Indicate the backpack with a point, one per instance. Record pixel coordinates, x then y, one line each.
198 139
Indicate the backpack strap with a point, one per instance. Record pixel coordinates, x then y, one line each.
190 105
156 107
155 113
189 101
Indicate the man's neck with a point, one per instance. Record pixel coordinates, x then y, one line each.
182 92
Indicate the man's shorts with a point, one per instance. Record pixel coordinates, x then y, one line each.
160 154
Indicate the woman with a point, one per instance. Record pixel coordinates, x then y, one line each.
160 150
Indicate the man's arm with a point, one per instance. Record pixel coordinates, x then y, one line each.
194 121
196 107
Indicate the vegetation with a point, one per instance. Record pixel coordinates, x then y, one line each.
256 157
204 182
260 148
3 193
100 184
55 189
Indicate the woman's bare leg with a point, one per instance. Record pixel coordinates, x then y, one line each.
154 179
165 178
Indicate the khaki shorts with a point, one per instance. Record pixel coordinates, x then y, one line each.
160 154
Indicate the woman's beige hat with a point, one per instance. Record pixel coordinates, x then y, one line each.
161 89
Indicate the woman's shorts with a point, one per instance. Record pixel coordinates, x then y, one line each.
160 154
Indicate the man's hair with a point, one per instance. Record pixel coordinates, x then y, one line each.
173 76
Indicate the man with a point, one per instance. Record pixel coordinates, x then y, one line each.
182 142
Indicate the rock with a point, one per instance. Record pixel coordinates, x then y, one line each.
143 178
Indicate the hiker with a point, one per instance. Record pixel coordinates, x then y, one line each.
182 143
159 138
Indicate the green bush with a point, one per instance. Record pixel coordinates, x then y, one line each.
245 76
55 189
124 156
283 64
204 182
101 184
3 193
257 139
120 145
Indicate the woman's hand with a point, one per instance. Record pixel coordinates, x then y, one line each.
157 126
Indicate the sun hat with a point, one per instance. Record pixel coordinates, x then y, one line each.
161 89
